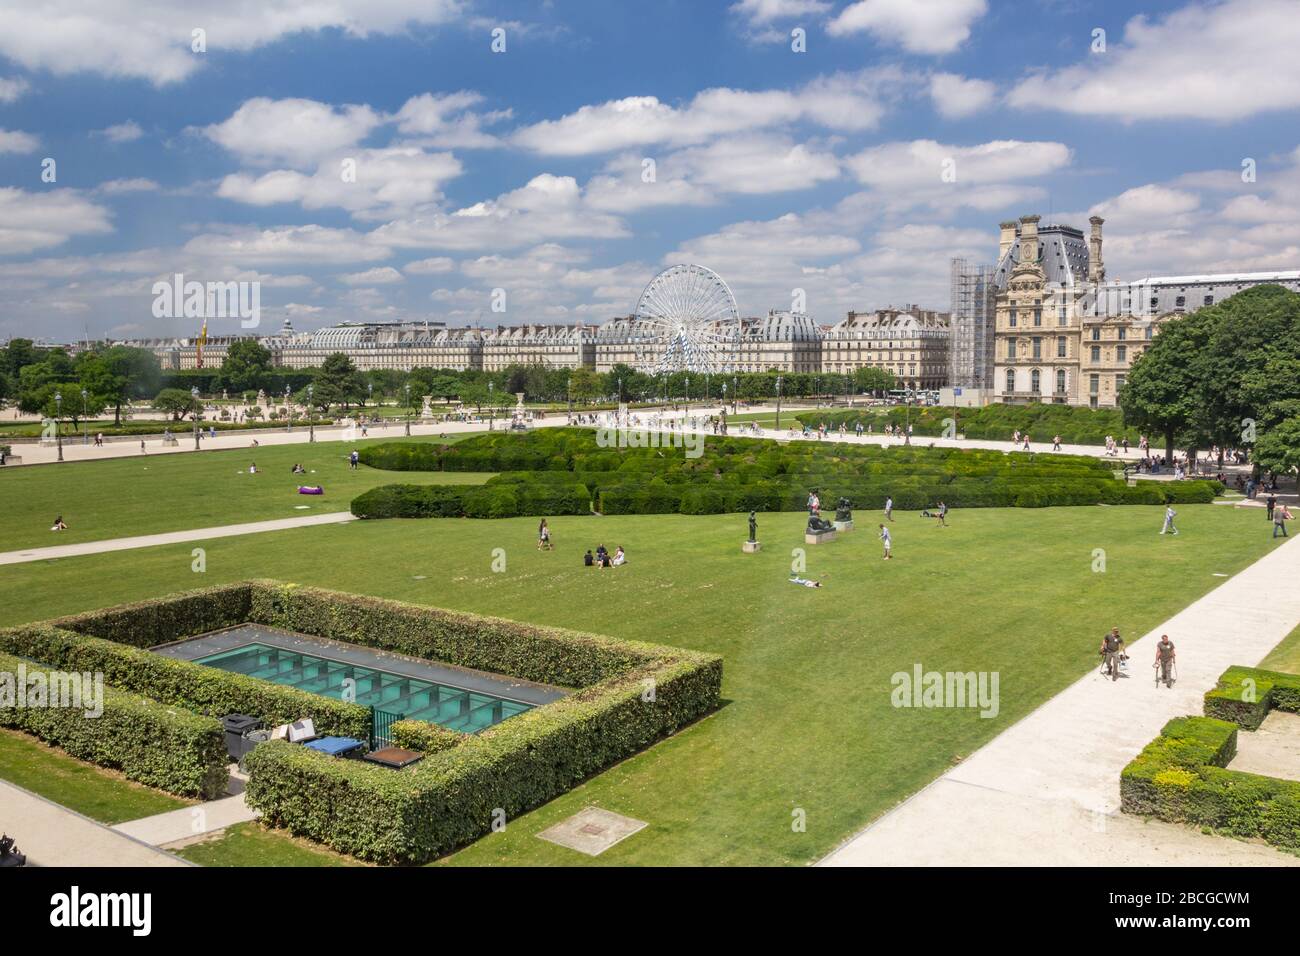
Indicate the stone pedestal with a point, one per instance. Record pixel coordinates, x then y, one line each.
821 537
752 547
844 525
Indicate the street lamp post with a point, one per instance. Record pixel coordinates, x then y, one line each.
311 418
58 414
288 411
194 394
85 425
408 409
688 393
735 395
492 412
778 403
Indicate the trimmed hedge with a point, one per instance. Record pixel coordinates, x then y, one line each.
197 687
1182 775
149 742
1245 695
629 695
452 797
1180 778
1075 424
567 472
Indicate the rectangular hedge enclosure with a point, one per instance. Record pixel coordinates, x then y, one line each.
627 695
1182 776
557 471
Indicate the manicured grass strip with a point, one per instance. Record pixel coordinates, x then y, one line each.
97 793
1286 656
149 494
251 844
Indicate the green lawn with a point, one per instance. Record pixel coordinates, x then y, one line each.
147 494
1286 656
251 844
96 793
807 724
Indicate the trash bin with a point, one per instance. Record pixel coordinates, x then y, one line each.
235 726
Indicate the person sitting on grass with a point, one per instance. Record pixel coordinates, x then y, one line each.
587 559
619 557
602 557
298 469
58 524
252 468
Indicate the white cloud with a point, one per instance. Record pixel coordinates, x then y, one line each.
918 26
388 182
766 11
121 132
956 96
11 88
297 132
548 207
1221 61
447 121
438 265
281 244
843 101
380 275
151 39
757 164
987 176
134 185
30 221
15 141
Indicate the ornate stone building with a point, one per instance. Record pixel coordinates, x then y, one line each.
556 346
911 342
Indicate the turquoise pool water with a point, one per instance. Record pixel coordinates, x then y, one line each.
455 707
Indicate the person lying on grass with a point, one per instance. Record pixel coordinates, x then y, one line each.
805 582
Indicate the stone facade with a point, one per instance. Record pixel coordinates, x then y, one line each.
911 342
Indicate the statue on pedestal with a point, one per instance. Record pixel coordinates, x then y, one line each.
753 526
817 525
844 510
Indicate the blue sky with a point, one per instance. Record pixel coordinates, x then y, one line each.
524 170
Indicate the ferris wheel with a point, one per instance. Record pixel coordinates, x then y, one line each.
687 321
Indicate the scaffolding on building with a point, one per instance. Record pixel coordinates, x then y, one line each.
970 354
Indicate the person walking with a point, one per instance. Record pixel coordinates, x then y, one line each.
1169 520
943 514
1271 501
889 508
1112 646
1281 515
888 542
544 537
1056 443
354 459
1164 662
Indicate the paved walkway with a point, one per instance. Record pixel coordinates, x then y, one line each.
51 835
176 826
1046 790
171 537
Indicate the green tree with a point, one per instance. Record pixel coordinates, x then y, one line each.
584 384
1278 448
1165 387
119 374
246 366
175 401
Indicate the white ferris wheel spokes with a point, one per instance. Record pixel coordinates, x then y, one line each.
689 316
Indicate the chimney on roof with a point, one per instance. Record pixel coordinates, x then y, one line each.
1007 237
1096 267
1029 239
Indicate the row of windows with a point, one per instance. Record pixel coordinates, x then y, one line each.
1035 380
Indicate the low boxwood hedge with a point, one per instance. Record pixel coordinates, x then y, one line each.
566 471
454 796
628 695
1245 695
197 687
1182 775
152 743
